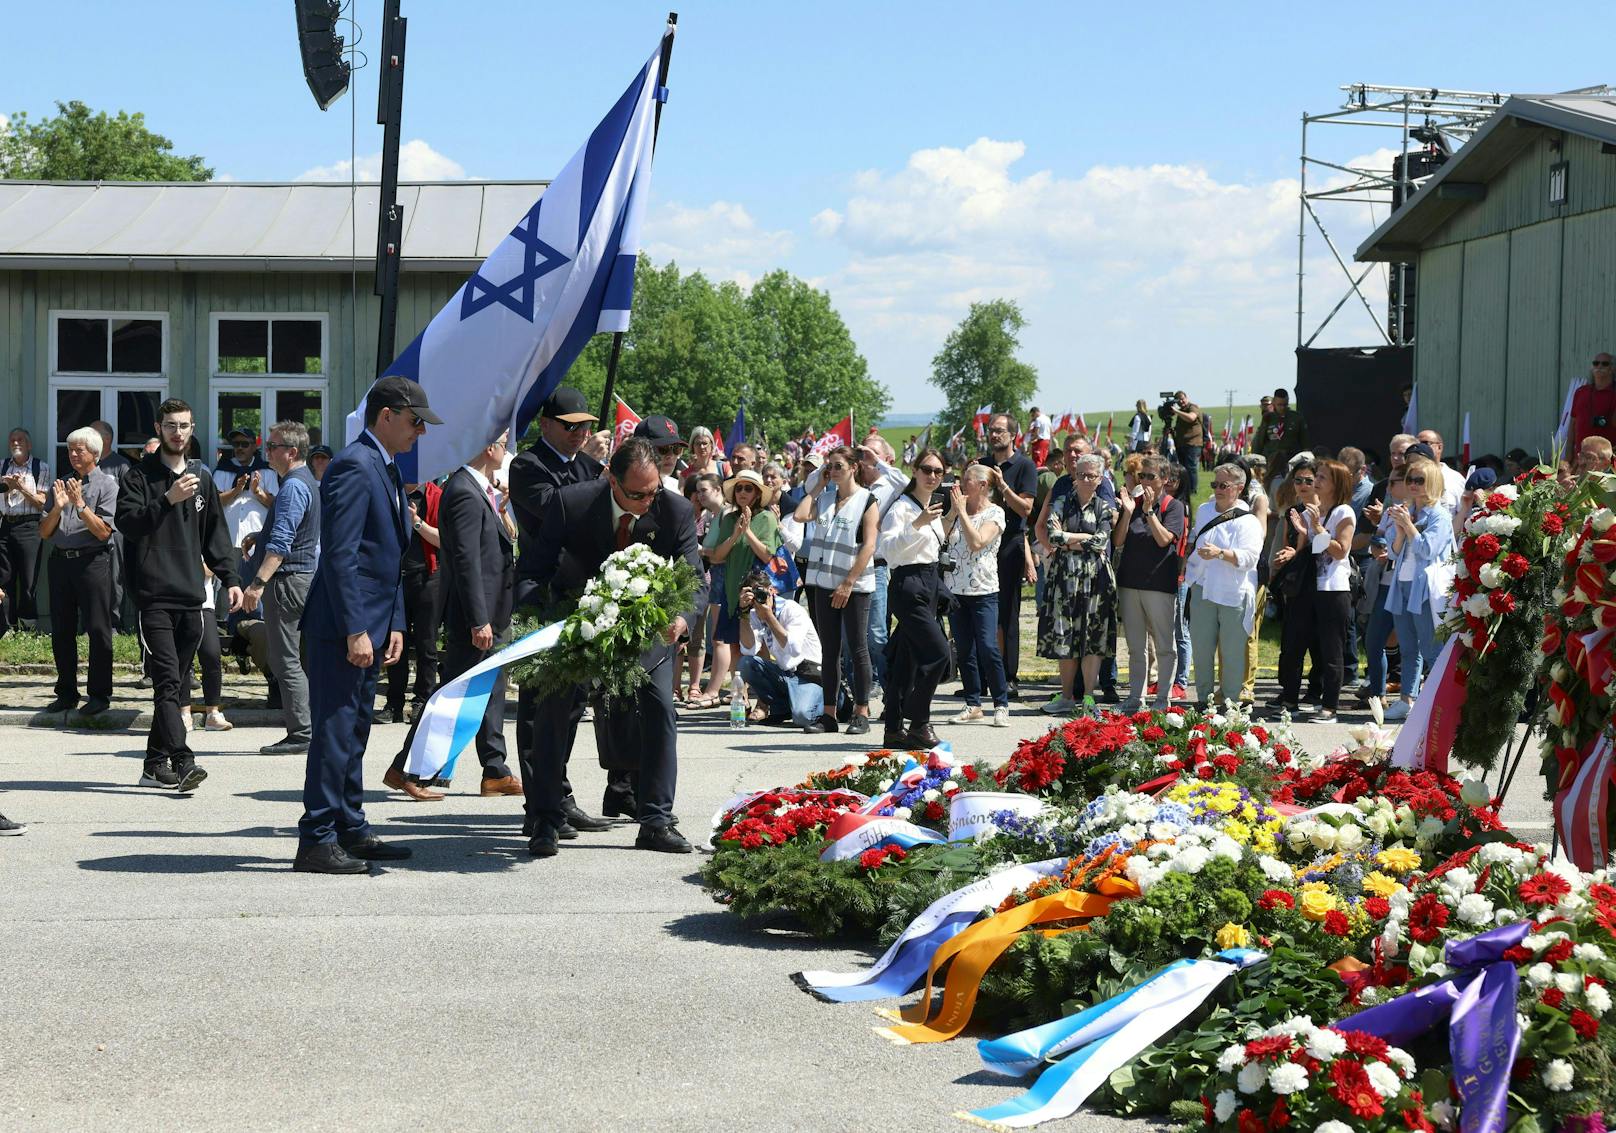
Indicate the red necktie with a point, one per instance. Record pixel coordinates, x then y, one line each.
624 522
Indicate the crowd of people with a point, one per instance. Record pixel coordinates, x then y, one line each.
836 579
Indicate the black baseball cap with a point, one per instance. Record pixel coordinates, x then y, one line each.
1420 448
242 433
395 392
320 450
567 404
660 431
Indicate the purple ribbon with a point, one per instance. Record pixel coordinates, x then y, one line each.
1478 1004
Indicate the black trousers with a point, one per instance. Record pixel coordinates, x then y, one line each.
1315 623
423 615
209 658
171 638
19 567
920 651
852 623
1012 570
81 598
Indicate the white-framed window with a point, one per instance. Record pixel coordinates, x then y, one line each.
105 365
266 368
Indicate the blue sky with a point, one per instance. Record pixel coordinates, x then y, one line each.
1127 172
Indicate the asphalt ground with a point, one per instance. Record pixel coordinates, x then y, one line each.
165 969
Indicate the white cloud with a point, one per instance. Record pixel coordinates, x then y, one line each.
417 161
1114 268
722 240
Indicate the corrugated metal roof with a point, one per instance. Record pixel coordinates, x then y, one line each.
1489 149
245 226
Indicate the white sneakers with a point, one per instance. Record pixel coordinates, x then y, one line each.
215 722
971 715
1001 717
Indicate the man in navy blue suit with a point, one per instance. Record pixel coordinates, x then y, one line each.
355 617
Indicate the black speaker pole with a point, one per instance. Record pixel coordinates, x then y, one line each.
389 215
617 336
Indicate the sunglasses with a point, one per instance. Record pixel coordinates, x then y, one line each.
639 497
929 470
1224 484
273 445
574 426
837 467
1305 481
1414 479
1602 365
1147 476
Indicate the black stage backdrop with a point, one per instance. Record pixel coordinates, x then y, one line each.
1353 395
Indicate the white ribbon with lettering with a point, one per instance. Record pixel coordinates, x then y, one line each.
970 813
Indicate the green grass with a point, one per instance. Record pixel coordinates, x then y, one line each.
35 649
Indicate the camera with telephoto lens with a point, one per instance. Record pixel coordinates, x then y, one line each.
762 595
1169 403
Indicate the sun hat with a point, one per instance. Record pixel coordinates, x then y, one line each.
747 476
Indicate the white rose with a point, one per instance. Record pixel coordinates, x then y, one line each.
1430 829
587 629
950 785
1323 836
1558 1074
638 587
1223 1106
1384 1079
1380 823
1349 838
902 813
1475 792
1287 1078
1173 720
1252 1078
1491 577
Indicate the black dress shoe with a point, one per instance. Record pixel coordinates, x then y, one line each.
382 716
1013 690
820 726
566 832
858 725
373 849
60 704
542 844
616 804
95 706
578 819
328 857
664 839
922 737
893 736
285 746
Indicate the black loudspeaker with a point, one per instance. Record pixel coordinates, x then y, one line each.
1353 395
323 65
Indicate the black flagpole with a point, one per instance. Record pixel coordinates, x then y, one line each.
617 336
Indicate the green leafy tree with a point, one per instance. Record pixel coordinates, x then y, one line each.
78 145
978 365
694 347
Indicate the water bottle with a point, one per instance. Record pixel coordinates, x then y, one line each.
737 703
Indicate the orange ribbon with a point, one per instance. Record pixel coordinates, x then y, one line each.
976 950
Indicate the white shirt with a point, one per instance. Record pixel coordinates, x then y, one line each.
1224 583
1334 574
902 543
244 515
1453 486
976 573
802 641
15 503
1040 428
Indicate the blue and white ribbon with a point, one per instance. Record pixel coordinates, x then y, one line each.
970 813
875 833
452 715
1099 1040
895 973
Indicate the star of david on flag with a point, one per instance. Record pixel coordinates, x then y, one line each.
498 348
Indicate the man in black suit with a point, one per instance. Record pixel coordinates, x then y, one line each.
553 462
585 524
476 557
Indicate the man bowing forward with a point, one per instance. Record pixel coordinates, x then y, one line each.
584 524
354 620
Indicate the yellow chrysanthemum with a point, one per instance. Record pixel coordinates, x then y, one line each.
1237 830
1248 812
1379 884
1264 843
1398 859
1232 935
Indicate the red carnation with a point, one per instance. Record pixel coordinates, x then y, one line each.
1515 565
1558 953
1273 897
1487 546
1282 754
1584 1024
1249 1122
873 858
1544 889
1377 907
1272 1049
1553 996
1204 771
1501 601
1226 763
1352 1088
1426 918
1260 732
1336 923
1208 1118
934 811
969 773
1279 1116
1153 734
1553 524
1415 1119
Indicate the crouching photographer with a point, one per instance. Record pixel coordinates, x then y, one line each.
780 656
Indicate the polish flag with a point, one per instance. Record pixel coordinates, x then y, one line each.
718 443
839 434
627 419
1108 430
1465 458
980 421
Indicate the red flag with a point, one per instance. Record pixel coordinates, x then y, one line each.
1108 430
1464 459
718 444
839 434
1082 426
627 419
980 420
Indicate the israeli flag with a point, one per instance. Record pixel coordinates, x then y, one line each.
501 345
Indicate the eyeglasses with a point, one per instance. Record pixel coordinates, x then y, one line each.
836 467
273 445
1088 476
1224 484
177 426
1146 476
639 497
501 443
928 470
1304 481
999 429
1413 479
